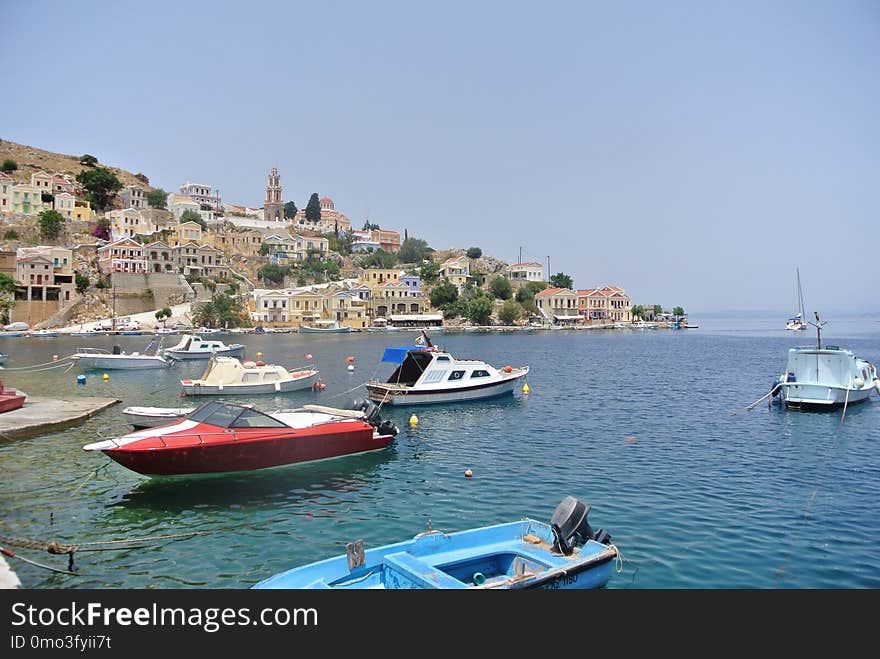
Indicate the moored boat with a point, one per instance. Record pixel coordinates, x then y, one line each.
324 327
824 377
11 398
565 553
148 417
426 374
220 437
100 359
230 376
195 347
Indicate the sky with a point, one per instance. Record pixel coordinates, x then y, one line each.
694 153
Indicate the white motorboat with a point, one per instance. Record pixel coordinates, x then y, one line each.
45 333
427 374
230 376
195 347
100 359
148 417
324 327
817 377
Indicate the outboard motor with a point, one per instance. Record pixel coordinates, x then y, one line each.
571 528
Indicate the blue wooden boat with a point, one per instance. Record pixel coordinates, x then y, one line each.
527 554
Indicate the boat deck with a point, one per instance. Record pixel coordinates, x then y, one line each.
41 414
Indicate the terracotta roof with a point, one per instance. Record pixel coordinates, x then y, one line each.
550 291
531 263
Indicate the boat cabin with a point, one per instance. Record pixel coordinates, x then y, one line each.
429 366
830 366
192 343
229 370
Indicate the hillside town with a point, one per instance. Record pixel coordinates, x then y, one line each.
79 246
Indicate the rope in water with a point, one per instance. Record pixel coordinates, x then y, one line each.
53 364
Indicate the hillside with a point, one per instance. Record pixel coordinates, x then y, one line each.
31 160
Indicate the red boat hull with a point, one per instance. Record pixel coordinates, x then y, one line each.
246 450
11 401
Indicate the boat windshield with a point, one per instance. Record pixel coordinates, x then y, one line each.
225 415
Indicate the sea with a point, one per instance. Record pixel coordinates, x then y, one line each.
651 428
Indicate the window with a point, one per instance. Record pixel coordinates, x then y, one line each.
456 375
480 374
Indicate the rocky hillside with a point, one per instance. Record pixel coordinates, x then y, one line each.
31 160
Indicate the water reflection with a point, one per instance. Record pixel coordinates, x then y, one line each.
292 484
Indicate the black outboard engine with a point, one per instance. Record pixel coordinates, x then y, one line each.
571 528
371 416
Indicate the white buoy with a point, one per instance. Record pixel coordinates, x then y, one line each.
859 383
351 367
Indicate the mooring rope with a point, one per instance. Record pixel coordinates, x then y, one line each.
55 363
90 474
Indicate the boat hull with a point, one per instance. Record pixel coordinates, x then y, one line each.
332 330
247 451
198 389
237 351
511 556
818 395
108 362
11 401
395 395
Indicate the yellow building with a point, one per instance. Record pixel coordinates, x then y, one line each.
374 277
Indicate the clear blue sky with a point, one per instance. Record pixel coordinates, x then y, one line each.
694 153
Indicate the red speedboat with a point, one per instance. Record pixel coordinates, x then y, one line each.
222 437
10 399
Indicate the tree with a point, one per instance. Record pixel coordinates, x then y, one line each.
101 185
378 259
221 311
11 234
264 249
157 198
444 293
479 309
535 287
369 227
500 287
82 282
8 285
429 271
638 311
50 224
192 216
658 309
290 210
142 178
474 253
510 312
678 311
313 209
47 198
102 229
562 280
8 165
273 273
163 314
88 160
412 250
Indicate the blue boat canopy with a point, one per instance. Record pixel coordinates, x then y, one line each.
397 355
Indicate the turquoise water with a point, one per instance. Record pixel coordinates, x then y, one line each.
639 424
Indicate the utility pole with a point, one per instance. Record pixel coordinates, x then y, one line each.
548 269
520 255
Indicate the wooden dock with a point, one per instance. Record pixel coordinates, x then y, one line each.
40 414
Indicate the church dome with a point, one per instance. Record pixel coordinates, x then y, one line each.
326 203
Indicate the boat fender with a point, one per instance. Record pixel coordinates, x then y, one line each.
249 364
859 383
479 578
877 384
277 386
261 363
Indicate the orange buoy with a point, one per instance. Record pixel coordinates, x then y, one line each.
468 473
349 359
308 355
261 363
507 369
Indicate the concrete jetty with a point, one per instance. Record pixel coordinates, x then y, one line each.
40 414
